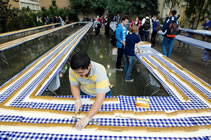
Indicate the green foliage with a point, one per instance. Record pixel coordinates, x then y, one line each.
14 19
84 6
198 8
88 6
24 18
138 7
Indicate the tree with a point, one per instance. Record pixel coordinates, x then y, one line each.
138 7
200 8
84 6
5 13
172 3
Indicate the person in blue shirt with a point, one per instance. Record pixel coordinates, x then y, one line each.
155 28
207 24
169 33
120 35
130 58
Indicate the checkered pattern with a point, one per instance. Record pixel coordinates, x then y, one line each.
168 90
127 103
25 77
196 103
11 135
124 122
194 83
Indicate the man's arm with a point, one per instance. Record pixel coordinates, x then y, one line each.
165 25
143 21
117 34
96 106
94 109
75 91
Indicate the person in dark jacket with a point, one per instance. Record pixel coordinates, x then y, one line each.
169 34
107 25
155 29
131 39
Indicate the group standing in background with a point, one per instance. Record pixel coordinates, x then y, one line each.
47 20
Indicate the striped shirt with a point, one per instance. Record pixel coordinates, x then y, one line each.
95 83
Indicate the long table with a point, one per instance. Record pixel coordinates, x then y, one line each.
24 114
189 41
200 32
26 30
22 40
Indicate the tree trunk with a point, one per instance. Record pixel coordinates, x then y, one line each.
199 17
4 25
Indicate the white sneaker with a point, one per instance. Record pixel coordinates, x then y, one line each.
131 80
120 69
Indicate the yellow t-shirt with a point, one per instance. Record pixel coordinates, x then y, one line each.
97 81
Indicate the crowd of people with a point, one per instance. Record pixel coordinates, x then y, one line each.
47 20
127 34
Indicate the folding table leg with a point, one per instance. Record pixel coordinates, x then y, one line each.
3 58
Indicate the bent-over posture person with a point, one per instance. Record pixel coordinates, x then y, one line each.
93 81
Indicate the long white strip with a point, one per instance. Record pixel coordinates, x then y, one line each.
39 59
170 86
184 84
70 130
28 83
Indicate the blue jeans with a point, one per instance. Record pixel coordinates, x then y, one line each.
129 63
146 35
206 55
107 94
167 42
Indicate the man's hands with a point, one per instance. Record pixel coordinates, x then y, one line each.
82 123
123 43
78 105
94 109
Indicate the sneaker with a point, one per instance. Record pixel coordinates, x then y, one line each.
131 80
120 69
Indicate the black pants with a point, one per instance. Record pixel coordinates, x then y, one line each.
97 30
120 52
107 31
154 33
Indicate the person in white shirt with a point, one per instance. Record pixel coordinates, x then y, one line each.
147 25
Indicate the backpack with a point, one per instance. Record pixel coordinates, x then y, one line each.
146 25
172 29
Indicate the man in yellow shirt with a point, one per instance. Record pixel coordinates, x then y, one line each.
93 81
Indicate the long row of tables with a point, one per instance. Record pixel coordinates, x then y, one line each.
22 40
27 30
185 114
